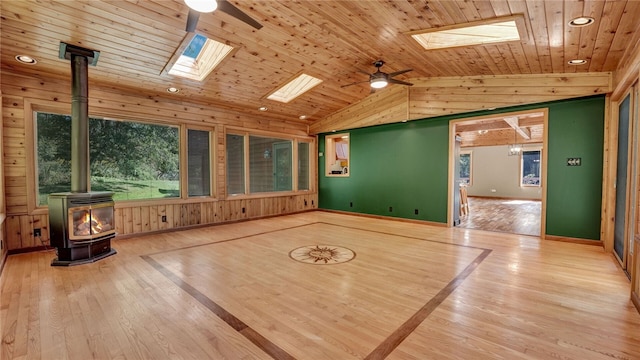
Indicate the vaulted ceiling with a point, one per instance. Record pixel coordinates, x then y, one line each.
334 41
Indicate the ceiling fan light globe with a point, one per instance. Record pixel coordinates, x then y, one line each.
203 6
378 83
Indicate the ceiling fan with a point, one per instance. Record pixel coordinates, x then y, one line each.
380 79
206 6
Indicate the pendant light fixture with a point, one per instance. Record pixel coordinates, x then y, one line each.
515 148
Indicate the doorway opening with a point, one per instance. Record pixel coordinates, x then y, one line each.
498 172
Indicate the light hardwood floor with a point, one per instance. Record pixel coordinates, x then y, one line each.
232 291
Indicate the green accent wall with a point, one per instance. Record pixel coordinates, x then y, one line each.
405 166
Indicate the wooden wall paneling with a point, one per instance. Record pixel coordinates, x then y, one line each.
128 220
233 210
136 212
14 240
430 97
154 219
26 232
254 208
385 106
177 215
162 211
145 219
609 174
52 93
119 220
194 213
41 222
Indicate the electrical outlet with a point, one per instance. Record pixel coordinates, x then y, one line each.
416 211
37 232
164 218
351 204
390 208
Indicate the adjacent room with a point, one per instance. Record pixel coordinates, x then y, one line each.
219 179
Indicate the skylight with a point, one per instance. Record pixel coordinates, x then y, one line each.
199 58
477 33
294 88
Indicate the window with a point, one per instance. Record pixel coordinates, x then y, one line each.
465 168
270 164
304 166
235 164
337 155
199 57
530 168
198 162
134 160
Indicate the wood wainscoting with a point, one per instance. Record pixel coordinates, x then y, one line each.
135 219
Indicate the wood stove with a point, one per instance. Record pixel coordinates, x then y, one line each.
81 222
81 226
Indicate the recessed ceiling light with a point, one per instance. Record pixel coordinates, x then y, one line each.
581 21
482 132
577 62
302 117
173 90
25 59
263 108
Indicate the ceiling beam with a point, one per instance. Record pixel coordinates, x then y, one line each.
514 122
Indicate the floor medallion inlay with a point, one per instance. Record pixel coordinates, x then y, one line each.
322 254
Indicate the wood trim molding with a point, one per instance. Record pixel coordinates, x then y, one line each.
415 221
573 240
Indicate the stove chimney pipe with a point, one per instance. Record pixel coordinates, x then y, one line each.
80 59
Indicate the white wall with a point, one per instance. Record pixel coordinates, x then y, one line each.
493 169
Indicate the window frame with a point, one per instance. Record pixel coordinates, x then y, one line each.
295 140
33 106
330 153
470 182
521 167
184 152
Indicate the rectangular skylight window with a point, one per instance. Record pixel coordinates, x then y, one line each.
477 33
294 88
199 58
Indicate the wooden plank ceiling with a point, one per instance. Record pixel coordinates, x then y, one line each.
331 40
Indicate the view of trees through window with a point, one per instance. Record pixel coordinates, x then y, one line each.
530 168
465 168
133 160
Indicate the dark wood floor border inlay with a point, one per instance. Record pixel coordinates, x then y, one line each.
403 236
380 352
391 343
260 341
228 240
